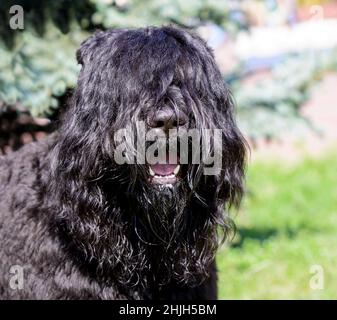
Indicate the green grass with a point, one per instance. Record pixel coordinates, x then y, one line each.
287 224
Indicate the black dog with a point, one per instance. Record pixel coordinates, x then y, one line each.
75 224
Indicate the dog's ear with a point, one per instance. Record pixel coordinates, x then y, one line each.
87 48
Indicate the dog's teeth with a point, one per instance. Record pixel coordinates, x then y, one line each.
151 172
176 170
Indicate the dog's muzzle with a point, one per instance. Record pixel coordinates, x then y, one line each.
163 120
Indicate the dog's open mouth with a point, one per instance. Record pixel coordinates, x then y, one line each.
164 174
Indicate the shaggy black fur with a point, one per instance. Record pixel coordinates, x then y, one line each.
82 226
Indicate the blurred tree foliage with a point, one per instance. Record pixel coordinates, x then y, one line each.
38 63
271 107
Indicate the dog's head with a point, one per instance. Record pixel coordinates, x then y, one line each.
149 153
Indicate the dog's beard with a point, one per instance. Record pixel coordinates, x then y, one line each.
162 214
179 243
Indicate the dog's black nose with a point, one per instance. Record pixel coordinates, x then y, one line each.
167 118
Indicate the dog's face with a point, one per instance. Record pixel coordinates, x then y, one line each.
150 141
167 80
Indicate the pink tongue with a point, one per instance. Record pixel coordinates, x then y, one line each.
163 169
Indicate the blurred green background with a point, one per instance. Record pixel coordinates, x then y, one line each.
280 59
286 227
